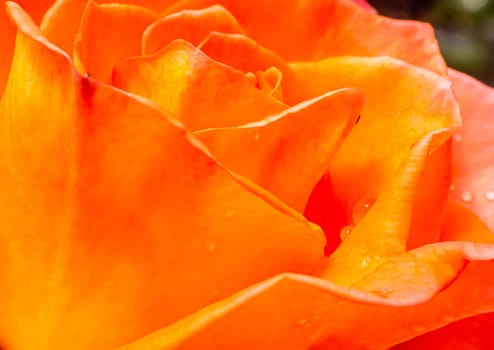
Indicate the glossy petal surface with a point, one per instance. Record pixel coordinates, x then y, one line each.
431 197
473 147
243 53
36 8
108 34
288 153
416 102
115 222
473 333
383 232
61 23
461 224
406 297
198 91
325 28
190 25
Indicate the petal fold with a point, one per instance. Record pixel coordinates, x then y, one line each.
473 147
115 221
243 53
198 91
383 231
36 8
327 28
98 46
435 285
190 25
416 102
288 153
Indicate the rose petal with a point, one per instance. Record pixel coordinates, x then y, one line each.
473 149
243 53
269 81
325 210
383 232
99 46
460 224
364 4
416 102
430 198
36 8
327 28
61 23
115 222
198 91
190 25
287 153
473 333
150 4
435 285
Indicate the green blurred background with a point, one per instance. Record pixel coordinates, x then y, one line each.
464 28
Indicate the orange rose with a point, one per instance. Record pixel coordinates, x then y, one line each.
233 174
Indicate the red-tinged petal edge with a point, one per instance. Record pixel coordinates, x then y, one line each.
364 4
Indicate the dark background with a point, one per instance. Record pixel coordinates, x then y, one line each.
464 28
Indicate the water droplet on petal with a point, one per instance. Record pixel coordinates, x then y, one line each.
467 196
251 78
489 195
457 137
365 262
301 322
384 291
361 208
345 232
452 188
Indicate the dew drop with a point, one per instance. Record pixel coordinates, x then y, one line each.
452 188
365 262
457 137
211 247
489 195
345 232
251 78
384 291
467 196
257 136
361 208
301 322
